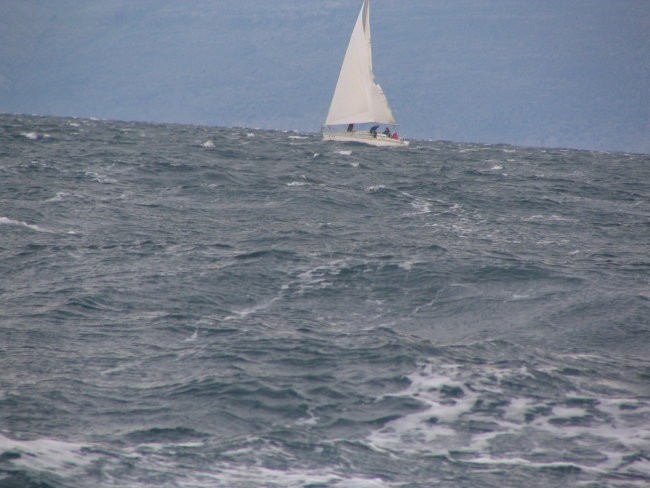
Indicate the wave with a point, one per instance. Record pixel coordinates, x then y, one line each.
8 221
42 463
32 136
279 311
486 413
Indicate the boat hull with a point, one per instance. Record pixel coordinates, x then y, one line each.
364 138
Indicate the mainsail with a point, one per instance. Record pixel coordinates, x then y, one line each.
357 98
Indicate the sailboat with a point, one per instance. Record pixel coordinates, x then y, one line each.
358 99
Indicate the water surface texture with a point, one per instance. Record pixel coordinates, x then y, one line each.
198 307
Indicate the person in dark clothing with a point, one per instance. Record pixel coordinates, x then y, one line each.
350 127
387 132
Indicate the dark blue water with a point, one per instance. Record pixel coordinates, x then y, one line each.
198 307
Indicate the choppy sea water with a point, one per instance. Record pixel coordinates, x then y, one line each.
198 307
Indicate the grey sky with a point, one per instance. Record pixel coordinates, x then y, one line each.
543 73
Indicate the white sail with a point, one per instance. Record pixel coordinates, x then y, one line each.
357 98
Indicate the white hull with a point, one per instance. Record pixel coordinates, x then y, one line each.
364 138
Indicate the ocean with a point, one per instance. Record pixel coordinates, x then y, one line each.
186 306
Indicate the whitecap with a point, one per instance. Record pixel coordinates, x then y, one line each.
8 221
194 336
48 455
560 412
406 265
117 369
59 197
208 144
517 408
246 311
316 278
235 475
450 397
99 178
421 206
312 420
374 188
302 182
345 153
516 297
547 218
30 135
